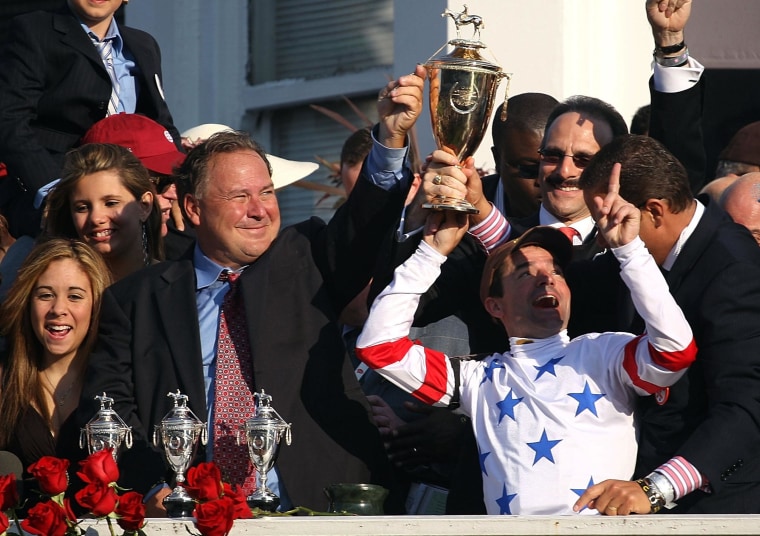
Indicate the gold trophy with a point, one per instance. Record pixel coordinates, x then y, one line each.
463 87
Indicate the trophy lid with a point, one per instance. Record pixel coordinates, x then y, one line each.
180 414
106 419
469 54
266 415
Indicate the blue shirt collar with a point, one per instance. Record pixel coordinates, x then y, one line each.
206 270
112 33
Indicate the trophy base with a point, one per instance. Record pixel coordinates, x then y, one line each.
459 205
179 510
267 503
179 505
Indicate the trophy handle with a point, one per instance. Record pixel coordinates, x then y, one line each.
155 437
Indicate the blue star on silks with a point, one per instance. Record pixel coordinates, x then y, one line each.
543 448
581 491
482 459
507 406
586 400
504 501
548 367
493 365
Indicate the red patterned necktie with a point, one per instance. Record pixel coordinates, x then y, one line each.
570 233
233 399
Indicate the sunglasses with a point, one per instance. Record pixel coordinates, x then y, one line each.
554 157
162 182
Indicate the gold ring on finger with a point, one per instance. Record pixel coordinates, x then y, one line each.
612 508
437 180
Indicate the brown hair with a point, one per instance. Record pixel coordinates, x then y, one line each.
192 174
648 171
92 158
20 376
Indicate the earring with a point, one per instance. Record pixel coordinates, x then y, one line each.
146 256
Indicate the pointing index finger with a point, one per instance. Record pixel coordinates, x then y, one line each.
614 185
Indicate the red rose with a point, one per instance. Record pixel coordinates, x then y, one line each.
215 518
97 497
8 493
51 474
131 511
204 482
69 512
99 467
4 523
241 508
45 519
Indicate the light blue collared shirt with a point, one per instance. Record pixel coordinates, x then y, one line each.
386 166
209 294
124 66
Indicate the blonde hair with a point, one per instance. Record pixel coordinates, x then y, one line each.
21 387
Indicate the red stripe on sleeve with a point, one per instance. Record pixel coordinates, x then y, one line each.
674 360
629 365
436 376
384 354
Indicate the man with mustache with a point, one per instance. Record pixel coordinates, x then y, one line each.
575 131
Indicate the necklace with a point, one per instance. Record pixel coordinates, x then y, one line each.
60 400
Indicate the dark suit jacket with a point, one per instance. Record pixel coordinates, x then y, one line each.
676 122
490 184
54 87
712 415
149 345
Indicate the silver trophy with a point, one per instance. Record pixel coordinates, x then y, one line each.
105 430
263 433
463 86
179 433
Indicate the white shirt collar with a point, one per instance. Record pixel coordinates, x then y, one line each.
685 234
584 226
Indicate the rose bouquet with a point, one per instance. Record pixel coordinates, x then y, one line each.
54 515
8 501
219 505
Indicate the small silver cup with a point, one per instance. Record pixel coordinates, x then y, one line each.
179 433
105 430
263 433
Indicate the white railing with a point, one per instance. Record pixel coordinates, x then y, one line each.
462 525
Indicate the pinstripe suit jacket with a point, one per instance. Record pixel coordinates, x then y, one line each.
53 87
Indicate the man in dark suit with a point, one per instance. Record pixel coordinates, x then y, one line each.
699 439
54 86
158 329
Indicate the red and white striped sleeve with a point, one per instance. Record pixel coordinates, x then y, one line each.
661 356
384 344
683 476
493 231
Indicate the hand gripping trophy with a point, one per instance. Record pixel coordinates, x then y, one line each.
463 87
106 430
263 433
179 432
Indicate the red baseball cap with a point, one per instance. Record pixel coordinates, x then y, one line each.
148 140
